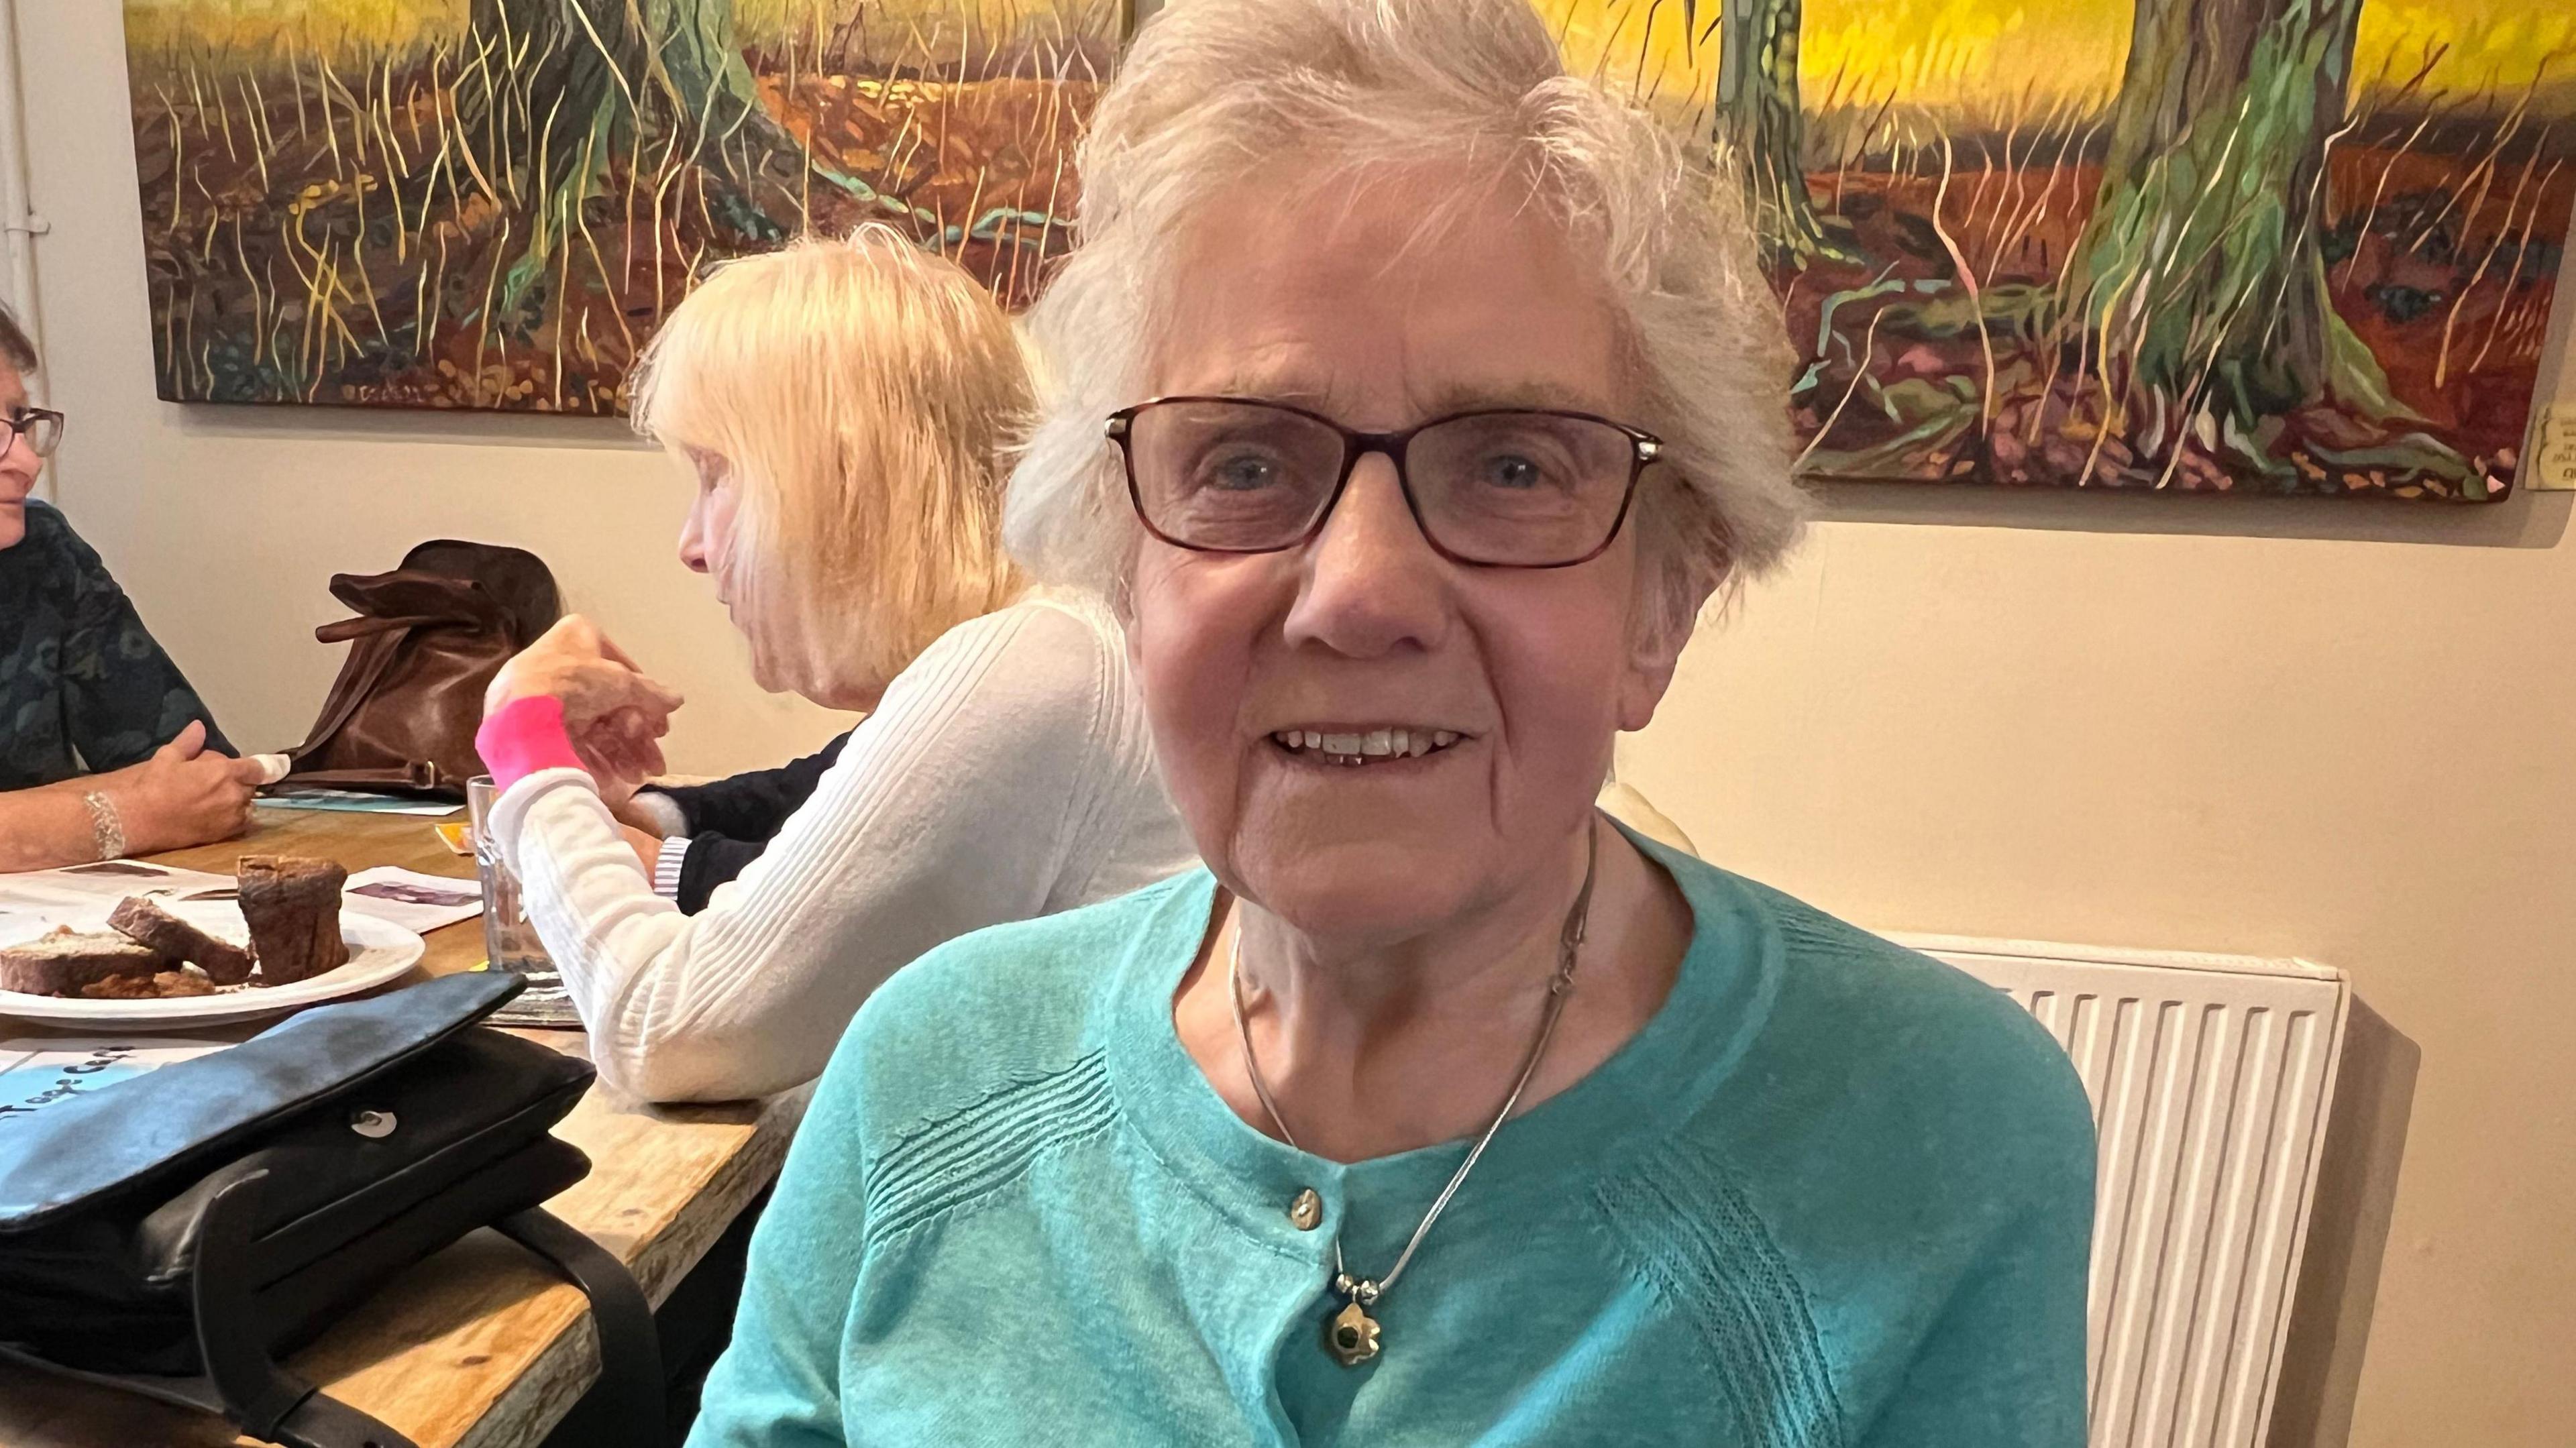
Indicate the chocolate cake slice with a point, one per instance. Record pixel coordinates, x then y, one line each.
293 906
223 962
66 964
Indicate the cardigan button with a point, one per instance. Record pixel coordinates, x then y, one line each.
1307 1211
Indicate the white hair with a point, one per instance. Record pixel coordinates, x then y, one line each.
1217 90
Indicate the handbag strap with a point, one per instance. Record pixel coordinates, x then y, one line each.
249 1388
630 1346
243 1384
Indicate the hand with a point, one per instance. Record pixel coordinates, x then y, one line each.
635 820
183 795
614 714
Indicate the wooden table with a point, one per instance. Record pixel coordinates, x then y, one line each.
478 1345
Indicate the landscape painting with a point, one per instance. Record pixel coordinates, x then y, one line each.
492 203
2249 246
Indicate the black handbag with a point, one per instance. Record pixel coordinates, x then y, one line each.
178 1233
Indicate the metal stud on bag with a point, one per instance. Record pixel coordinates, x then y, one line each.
373 1125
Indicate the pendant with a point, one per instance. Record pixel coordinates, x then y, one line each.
1351 1335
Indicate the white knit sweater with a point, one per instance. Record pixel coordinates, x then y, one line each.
1006 774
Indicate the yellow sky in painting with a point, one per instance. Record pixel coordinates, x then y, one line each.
343 28
1972 53
1985 54
333 27
1640 45
2493 44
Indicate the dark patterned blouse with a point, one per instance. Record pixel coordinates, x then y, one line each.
83 687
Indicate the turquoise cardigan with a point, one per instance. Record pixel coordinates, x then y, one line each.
1834 1193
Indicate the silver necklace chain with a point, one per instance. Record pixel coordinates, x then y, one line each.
1366 1292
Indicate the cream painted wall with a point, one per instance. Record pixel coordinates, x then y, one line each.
2335 731
2343 749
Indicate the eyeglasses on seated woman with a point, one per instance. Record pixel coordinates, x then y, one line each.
1416 397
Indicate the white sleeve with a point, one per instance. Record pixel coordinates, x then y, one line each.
951 808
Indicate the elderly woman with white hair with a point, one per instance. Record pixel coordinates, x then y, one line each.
1417 397
845 407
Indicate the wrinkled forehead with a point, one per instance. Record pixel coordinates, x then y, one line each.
1383 296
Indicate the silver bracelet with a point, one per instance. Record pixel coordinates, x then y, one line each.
106 827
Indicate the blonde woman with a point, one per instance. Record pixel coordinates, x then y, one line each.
844 407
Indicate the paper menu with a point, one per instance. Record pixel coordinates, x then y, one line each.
417 902
42 1071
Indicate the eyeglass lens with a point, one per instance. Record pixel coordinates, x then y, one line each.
41 430
1528 488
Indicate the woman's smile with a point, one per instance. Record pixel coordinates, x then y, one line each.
1348 746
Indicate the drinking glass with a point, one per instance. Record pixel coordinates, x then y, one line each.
509 936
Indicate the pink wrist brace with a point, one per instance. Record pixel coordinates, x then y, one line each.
524 736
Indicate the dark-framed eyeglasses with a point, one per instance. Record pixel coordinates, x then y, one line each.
1492 488
41 427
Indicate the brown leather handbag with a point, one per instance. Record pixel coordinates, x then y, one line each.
427 639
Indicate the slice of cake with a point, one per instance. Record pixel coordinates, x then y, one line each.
223 962
293 906
66 964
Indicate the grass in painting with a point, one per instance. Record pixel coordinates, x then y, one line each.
2277 246
491 203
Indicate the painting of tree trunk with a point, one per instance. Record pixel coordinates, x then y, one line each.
2200 279
1761 123
492 203
2222 246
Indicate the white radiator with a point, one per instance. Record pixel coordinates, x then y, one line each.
2211 1076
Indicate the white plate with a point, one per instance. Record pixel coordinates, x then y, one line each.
380 951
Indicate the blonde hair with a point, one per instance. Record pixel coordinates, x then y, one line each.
861 394
1217 90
